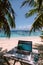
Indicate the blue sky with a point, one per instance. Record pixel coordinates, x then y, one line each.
21 21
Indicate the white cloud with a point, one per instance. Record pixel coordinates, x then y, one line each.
26 27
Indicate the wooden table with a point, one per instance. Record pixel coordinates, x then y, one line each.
20 59
17 57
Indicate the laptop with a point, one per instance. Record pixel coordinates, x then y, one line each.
23 51
24 47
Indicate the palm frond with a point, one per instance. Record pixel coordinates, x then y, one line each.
29 2
31 12
10 13
7 16
7 7
5 27
38 24
40 3
10 19
24 3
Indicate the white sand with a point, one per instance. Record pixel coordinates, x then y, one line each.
9 43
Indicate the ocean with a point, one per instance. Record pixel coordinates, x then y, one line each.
21 33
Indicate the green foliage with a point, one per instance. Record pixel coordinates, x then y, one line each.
37 9
42 34
29 2
10 20
31 12
40 3
7 16
38 23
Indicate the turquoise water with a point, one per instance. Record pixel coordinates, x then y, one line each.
21 33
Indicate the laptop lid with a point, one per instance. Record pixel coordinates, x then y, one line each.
25 45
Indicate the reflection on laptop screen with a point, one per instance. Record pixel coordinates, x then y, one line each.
25 45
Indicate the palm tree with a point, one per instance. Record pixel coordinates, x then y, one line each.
7 16
37 9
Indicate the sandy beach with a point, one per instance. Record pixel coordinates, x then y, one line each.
9 43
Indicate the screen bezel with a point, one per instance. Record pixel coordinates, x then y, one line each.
25 42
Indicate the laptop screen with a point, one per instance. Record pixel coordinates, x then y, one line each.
25 45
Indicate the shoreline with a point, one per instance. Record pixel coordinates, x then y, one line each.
9 43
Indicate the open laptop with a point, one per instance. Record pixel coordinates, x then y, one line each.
22 52
24 47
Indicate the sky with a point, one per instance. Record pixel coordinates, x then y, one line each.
20 20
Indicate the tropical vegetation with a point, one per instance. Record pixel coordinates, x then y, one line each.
37 8
7 17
